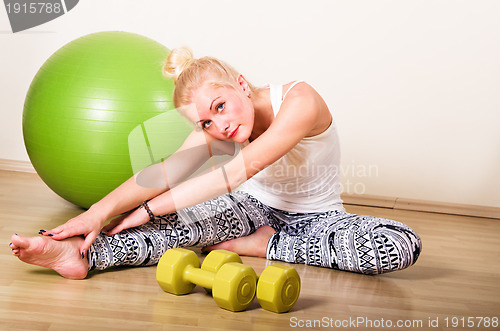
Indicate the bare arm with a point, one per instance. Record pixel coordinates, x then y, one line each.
299 117
163 176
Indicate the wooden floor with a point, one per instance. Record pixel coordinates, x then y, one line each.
456 279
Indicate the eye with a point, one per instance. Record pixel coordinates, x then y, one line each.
206 124
220 106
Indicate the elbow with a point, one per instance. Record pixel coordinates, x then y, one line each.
234 176
236 172
235 180
151 177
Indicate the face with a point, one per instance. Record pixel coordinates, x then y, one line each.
223 112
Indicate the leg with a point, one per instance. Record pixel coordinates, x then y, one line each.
343 241
224 218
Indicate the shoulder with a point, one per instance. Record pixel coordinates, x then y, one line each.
299 88
303 101
302 94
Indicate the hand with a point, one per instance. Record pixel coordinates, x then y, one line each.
87 224
126 221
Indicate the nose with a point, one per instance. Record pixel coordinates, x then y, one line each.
222 125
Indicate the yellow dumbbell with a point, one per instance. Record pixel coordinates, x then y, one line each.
233 285
278 286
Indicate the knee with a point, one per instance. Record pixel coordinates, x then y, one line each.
399 247
416 246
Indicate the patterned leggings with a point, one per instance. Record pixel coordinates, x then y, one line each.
333 239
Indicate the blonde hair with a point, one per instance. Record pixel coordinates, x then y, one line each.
190 73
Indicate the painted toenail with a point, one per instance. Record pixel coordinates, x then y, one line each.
50 235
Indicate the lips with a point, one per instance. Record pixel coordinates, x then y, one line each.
234 132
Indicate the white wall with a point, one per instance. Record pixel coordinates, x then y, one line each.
414 85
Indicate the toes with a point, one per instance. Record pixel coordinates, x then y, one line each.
223 245
12 245
19 242
15 249
207 249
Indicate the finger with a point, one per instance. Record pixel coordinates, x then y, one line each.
113 231
112 224
54 231
89 239
60 233
66 233
124 224
70 230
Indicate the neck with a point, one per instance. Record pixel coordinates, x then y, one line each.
263 112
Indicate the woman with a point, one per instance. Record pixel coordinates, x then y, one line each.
278 195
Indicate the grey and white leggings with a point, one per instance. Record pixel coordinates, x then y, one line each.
333 239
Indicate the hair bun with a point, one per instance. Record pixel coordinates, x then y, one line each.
178 60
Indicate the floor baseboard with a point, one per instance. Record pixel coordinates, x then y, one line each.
352 199
13 165
421 205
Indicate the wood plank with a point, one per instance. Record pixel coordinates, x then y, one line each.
457 275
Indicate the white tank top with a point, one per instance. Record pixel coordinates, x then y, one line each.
304 180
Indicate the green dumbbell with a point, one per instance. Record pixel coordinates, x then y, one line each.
233 285
278 286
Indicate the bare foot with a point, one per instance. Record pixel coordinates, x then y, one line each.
62 256
252 245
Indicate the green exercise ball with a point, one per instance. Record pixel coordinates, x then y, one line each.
86 114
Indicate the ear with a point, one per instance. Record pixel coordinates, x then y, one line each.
242 82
